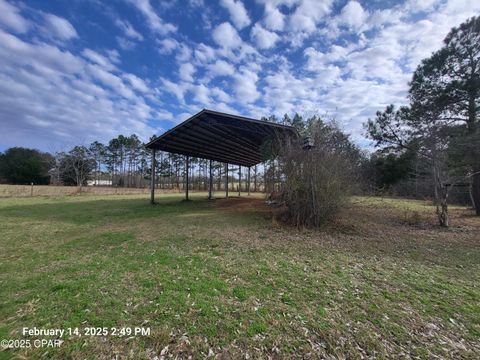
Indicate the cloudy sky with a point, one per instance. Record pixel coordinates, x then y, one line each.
81 70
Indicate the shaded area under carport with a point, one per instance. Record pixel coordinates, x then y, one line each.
220 137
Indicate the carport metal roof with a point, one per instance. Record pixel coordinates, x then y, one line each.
221 137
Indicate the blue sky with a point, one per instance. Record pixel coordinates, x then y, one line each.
81 70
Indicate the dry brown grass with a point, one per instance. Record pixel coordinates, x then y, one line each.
12 191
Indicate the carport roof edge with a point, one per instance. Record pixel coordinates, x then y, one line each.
220 137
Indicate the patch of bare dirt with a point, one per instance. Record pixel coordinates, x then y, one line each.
240 204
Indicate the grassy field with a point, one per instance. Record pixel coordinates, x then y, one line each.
16 191
224 279
7 191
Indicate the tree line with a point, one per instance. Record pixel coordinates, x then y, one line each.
429 148
123 161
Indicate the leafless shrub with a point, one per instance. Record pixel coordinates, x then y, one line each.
317 180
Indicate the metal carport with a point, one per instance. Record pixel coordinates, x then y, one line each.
217 136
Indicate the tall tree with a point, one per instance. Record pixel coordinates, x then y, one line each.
422 135
447 86
391 167
24 166
298 123
112 159
97 151
76 166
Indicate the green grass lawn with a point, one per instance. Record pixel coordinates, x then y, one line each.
223 279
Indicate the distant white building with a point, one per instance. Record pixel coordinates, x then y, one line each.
99 182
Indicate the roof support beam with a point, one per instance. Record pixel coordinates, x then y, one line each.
255 128
177 149
218 143
181 142
221 137
225 131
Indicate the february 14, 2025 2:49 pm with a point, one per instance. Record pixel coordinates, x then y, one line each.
42 337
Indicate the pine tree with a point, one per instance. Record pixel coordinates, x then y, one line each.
446 87
298 123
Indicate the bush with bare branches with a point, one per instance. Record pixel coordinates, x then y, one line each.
318 176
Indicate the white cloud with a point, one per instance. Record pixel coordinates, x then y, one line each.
50 96
128 30
383 17
264 39
308 14
239 54
459 9
353 15
238 13
176 88
226 36
245 86
98 59
110 80
153 20
47 92
196 3
113 55
125 43
201 94
322 65
204 53
221 68
274 19
136 82
415 6
285 92
10 18
186 72
184 53
163 115
167 46
221 95
43 58
58 27
370 72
